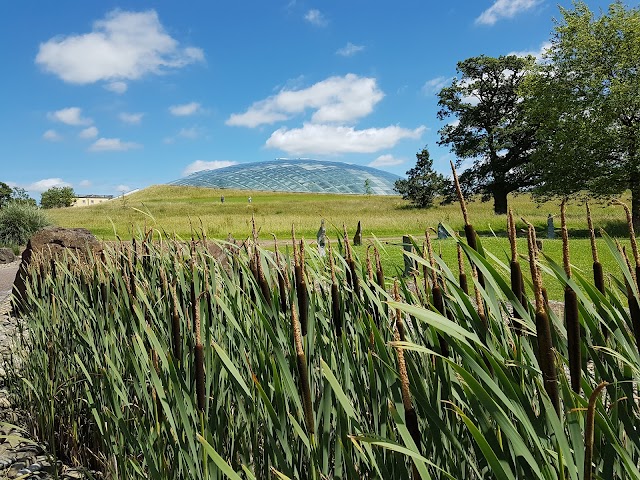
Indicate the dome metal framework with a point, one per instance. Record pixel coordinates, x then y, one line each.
295 175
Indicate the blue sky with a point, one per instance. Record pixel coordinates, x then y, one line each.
112 96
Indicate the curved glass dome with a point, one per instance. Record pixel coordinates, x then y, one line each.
299 175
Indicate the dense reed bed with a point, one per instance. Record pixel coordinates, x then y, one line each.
161 360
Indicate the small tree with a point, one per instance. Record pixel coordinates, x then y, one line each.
5 193
367 187
57 197
20 195
422 183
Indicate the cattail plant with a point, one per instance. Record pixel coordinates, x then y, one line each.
335 294
352 276
462 276
598 274
301 362
571 319
282 287
436 292
469 231
634 308
589 430
411 418
546 355
517 283
301 285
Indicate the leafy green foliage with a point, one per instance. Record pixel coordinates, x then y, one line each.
491 126
5 193
586 98
20 195
19 221
57 197
422 184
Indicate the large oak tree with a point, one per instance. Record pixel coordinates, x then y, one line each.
490 126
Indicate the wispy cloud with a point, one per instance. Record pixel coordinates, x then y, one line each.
433 86
85 183
316 17
122 46
186 109
131 118
335 100
70 116
52 136
89 132
349 50
200 165
116 87
46 184
330 139
386 161
505 9
112 145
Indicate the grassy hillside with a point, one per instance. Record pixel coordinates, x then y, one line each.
179 209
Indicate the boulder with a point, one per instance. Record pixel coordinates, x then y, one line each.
54 243
6 256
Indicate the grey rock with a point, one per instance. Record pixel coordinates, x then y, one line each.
7 256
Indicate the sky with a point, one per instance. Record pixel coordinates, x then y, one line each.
111 96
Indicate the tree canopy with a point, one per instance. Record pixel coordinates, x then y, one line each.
491 126
57 197
587 101
5 193
422 183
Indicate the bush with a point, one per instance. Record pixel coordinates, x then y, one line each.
19 221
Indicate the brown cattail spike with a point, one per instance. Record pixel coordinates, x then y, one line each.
565 239
462 276
589 430
302 372
411 418
546 357
632 234
463 204
511 226
592 235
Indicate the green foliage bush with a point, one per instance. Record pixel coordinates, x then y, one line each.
19 221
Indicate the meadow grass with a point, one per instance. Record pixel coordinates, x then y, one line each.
183 210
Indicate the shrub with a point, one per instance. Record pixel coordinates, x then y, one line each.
18 221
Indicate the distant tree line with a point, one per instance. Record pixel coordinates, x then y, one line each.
560 125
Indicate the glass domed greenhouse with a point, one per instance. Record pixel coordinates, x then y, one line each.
299 175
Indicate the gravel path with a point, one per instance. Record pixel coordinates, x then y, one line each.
19 459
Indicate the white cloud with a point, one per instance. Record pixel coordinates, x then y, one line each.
199 165
123 188
122 46
185 109
52 136
505 9
433 86
535 53
349 50
117 87
191 132
46 184
90 132
131 118
386 161
70 116
335 100
112 145
330 139
316 17
85 183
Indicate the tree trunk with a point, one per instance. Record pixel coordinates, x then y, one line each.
500 202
